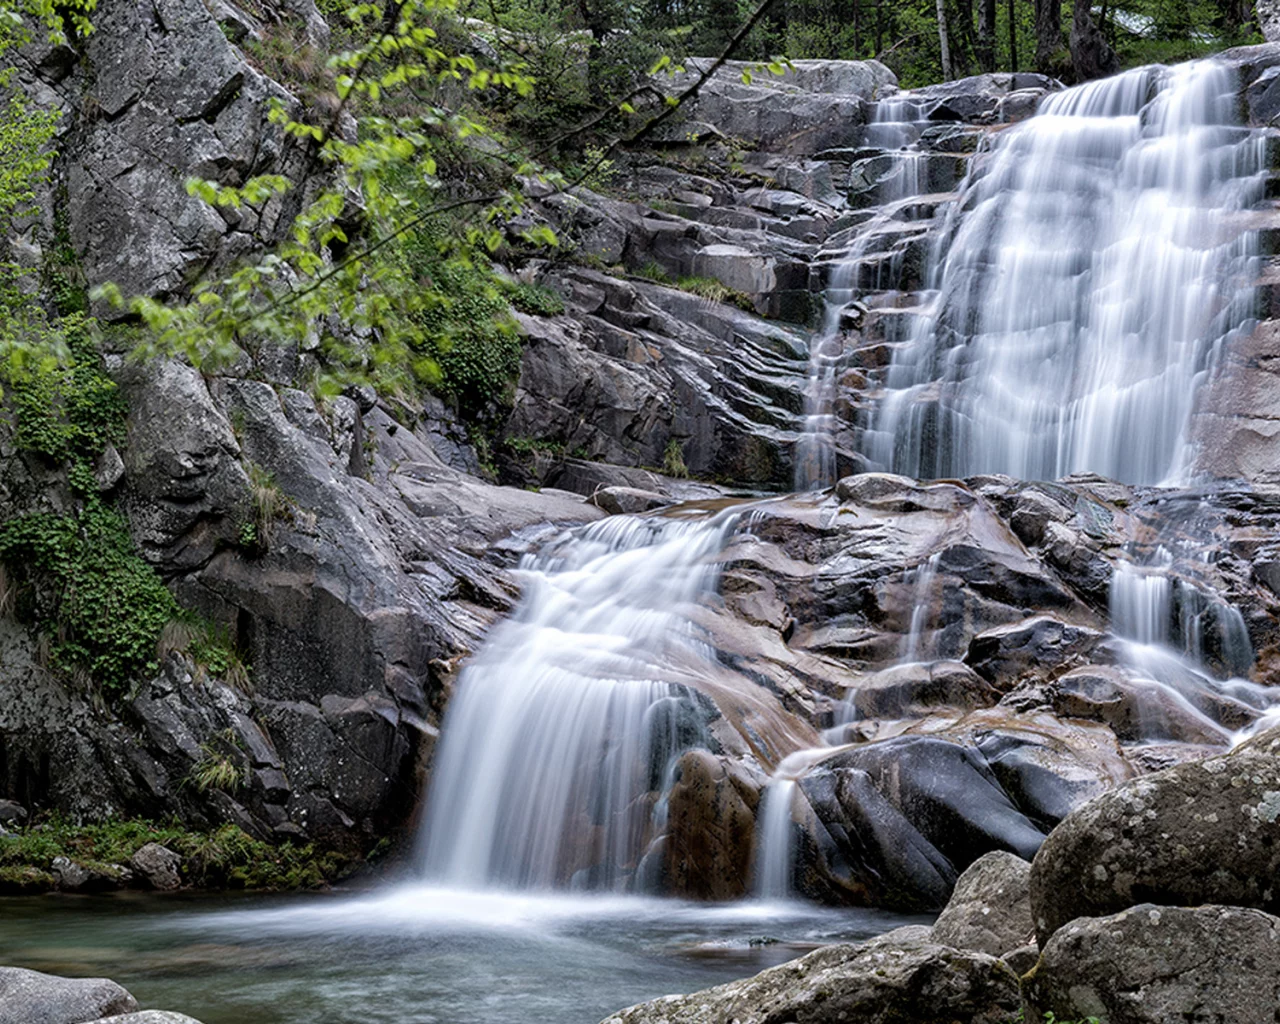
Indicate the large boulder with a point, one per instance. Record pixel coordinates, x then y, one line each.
990 910
901 976
1201 832
1153 965
29 997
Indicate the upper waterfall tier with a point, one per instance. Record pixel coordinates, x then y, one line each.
1095 264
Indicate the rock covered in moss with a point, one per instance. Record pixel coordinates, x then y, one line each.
901 976
1152 965
1202 832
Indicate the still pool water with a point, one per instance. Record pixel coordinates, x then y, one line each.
412 955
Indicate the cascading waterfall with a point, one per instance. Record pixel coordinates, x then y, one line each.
893 128
556 745
922 580
1097 261
1166 626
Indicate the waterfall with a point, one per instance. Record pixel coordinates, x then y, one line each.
893 128
1095 264
774 855
921 580
555 746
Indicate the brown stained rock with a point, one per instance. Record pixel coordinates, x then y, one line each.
711 828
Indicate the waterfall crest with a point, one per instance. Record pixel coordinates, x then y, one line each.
556 745
1097 260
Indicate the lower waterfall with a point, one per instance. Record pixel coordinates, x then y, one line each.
556 744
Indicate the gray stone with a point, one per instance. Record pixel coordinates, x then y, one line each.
1155 964
627 500
990 910
1203 832
12 813
149 1017
29 997
158 866
895 978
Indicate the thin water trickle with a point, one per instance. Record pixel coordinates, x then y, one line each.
894 128
1098 259
556 744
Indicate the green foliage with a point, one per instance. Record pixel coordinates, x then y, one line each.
673 460
270 506
710 288
219 765
536 300
87 589
655 272
227 857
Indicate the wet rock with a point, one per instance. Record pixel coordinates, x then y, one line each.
158 866
29 997
1154 964
1138 709
706 851
627 500
894 978
72 876
1202 832
1038 646
906 691
990 910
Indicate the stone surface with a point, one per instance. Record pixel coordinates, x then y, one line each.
1203 832
1155 964
158 866
29 997
990 910
149 1017
898 977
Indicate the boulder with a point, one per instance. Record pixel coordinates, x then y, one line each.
72 876
1156 964
901 976
149 1017
1201 832
627 500
158 866
906 691
1039 646
990 910
29 997
12 813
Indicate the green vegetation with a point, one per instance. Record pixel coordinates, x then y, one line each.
218 766
710 288
227 857
673 460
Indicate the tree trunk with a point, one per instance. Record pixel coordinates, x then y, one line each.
1091 57
942 41
987 35
1013 38
1048 34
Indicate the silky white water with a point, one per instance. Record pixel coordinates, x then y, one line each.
894 128
556 744
1096 262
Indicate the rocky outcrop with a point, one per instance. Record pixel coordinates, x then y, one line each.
1153 964
1202 832
901 976
29 997
990 910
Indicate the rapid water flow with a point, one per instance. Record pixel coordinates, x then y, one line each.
556 744
894 128
1098 259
